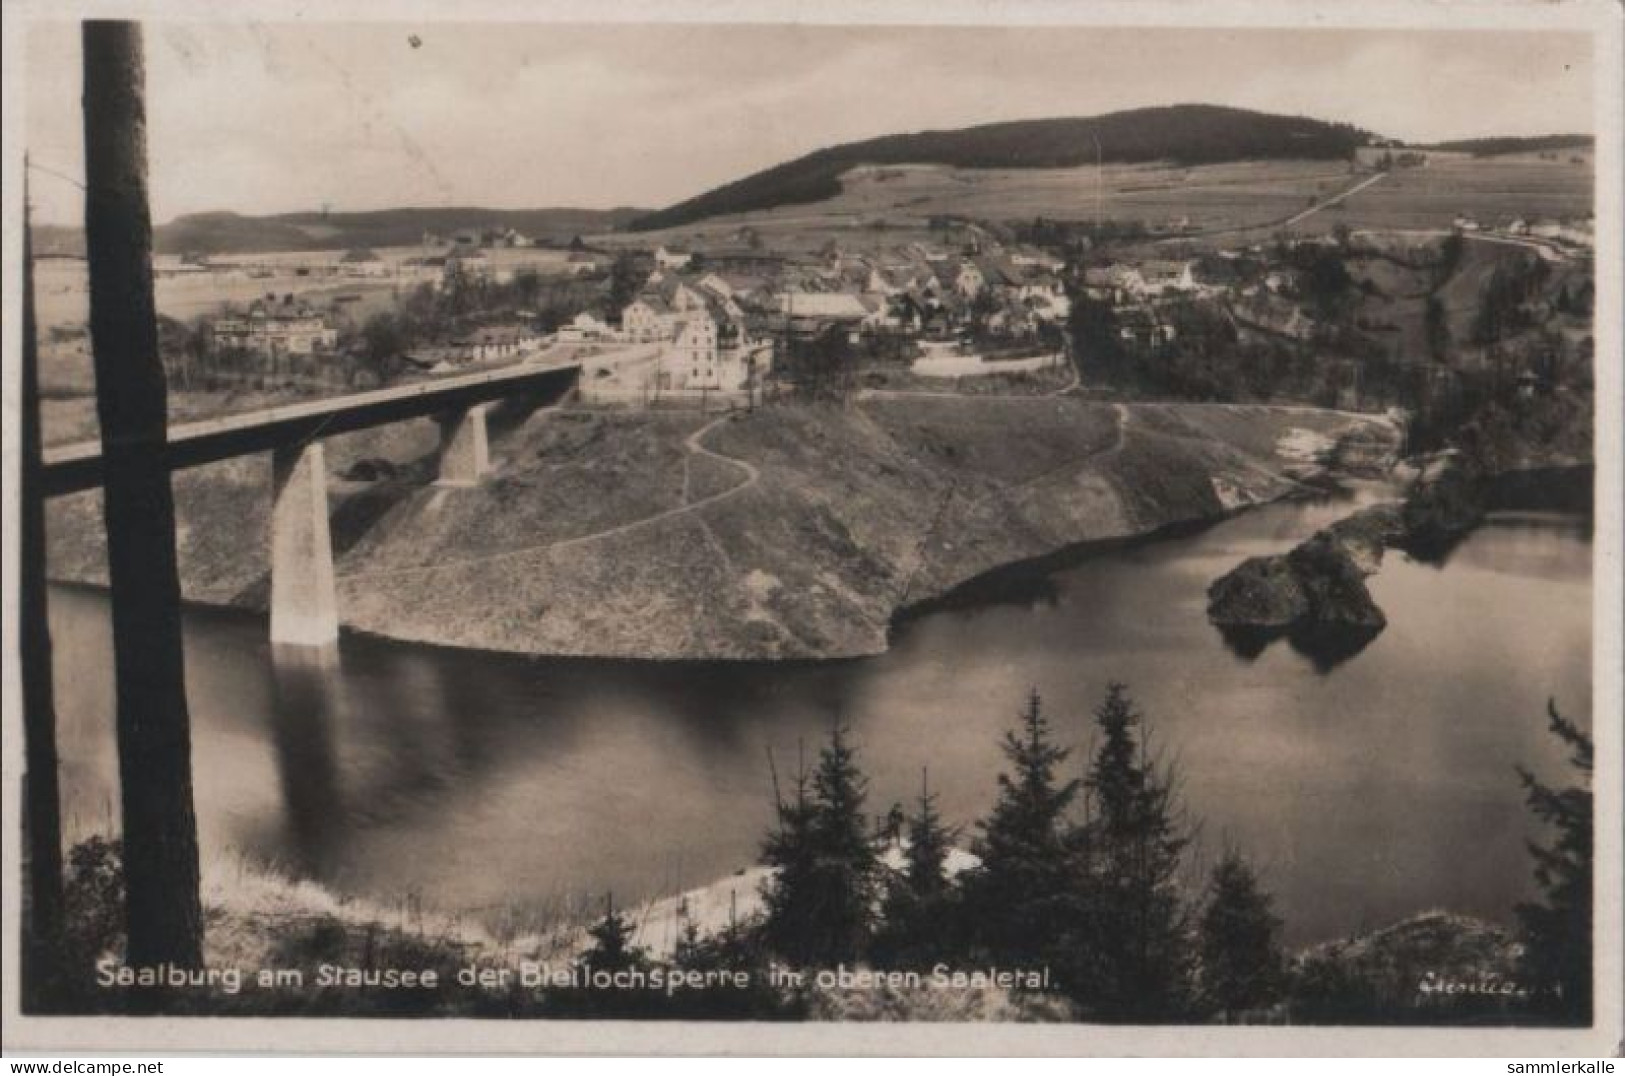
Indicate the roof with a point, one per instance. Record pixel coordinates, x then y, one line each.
494 334
743 282
1216 270
667 287
280 312
836 304
996 271
653 300
1163 268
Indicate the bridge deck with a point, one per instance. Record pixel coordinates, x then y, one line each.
73 467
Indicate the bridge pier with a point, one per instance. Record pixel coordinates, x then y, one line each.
465 451
304 602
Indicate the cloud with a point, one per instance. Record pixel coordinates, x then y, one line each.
275 117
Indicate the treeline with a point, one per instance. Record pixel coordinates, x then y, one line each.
1185 134
1512 368
1491 147
1071 237
429 315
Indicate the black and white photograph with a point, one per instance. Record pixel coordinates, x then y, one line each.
963 518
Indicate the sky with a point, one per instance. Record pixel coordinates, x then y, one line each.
276 117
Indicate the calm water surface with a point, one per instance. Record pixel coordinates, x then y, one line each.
477 782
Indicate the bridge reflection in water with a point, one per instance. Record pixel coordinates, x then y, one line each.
308 714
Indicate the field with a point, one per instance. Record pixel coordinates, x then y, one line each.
1492 190
61 283
907 196
891 204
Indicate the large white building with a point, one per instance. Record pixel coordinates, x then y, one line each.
701 332
275 330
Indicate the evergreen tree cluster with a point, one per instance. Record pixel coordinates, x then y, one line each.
1081 870
1081 875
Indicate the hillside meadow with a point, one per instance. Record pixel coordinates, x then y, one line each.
882 205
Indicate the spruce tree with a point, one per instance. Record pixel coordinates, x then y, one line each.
929 841
917 913
1242 966
1557 930
1134 946
612 948
1020 897
689 952
821 901
788 893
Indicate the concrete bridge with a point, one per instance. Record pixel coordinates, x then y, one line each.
304 604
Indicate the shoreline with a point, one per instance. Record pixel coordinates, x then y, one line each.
968 592
850 523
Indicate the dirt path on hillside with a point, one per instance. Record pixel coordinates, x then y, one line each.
695 445
1334 199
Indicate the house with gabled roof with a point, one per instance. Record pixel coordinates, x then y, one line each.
671 257
646 318
493 343
1161 275
362 261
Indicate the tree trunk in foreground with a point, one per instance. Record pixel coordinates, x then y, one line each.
154 739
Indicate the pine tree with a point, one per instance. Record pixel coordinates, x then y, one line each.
929 841
1557 931
1021 896
612 948
917 913
789 850
1134 943
689 951
1242 966
821 901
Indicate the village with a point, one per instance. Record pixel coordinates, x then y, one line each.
734 322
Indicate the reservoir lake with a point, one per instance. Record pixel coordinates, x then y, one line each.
496 786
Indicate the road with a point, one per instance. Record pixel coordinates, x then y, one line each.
1334 199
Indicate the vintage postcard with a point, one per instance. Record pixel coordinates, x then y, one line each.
693 528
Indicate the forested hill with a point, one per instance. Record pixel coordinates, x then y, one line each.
1187 134
234 233
1494 147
